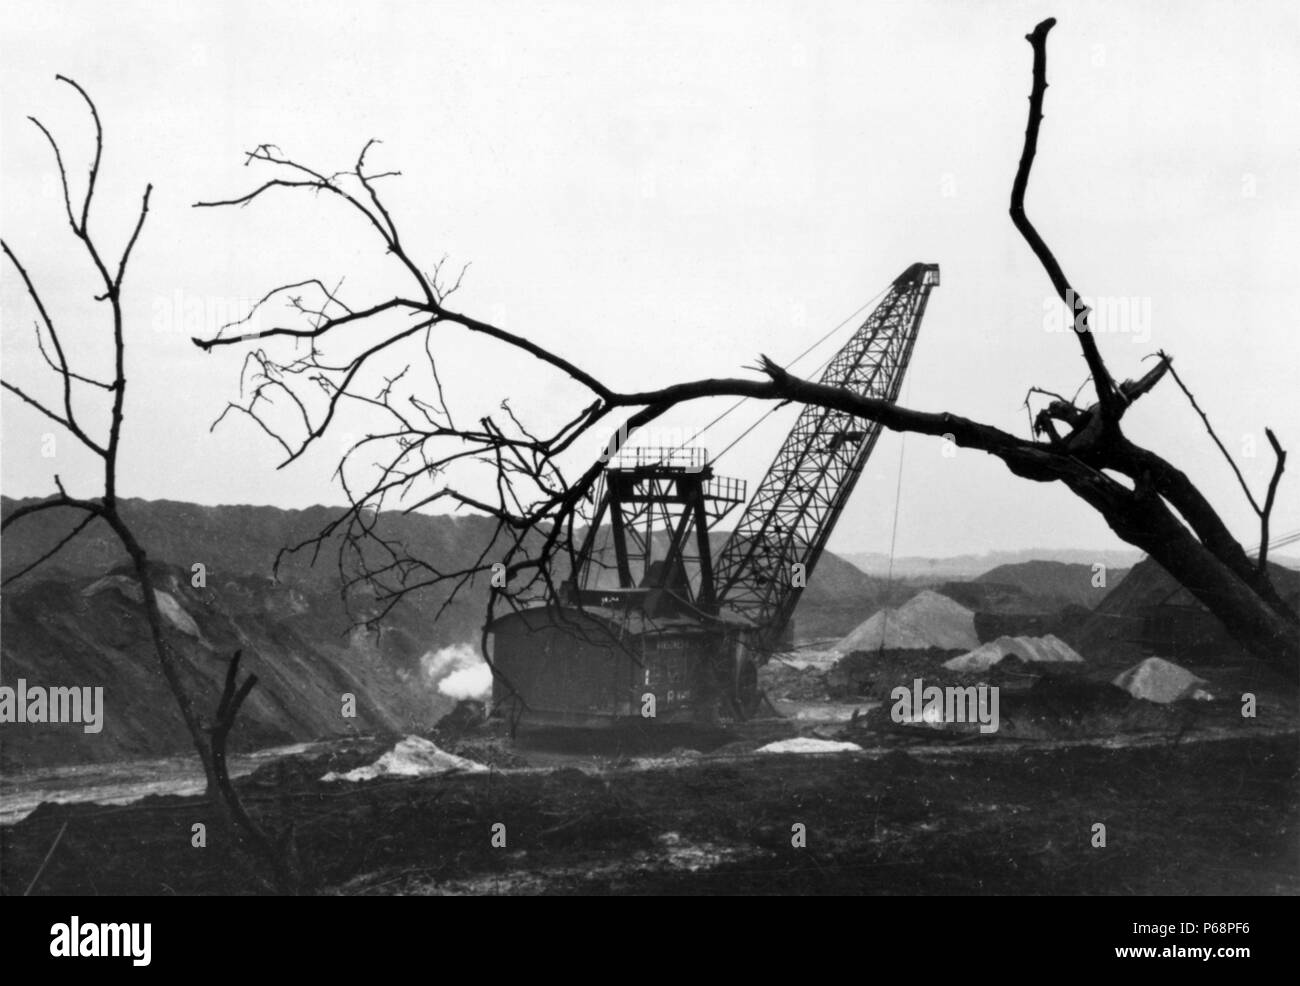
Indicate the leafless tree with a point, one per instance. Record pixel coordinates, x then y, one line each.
209 738
331 352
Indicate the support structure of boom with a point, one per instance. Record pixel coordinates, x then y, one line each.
795 507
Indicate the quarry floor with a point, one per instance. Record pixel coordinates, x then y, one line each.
1204 815
1193 798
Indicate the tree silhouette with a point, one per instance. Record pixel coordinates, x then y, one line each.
209 738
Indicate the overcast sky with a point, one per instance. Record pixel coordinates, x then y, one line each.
665 191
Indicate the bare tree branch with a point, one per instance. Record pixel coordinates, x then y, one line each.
1209 428
85 522
69 418
1267 511
1111 403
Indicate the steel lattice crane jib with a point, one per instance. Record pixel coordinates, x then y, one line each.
797 504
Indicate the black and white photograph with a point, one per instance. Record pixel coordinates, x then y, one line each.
685 449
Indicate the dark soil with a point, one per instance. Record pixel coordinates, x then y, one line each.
1186 818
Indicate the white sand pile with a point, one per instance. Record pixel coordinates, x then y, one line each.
412 757
1158 680
1050 649
807 744
927 620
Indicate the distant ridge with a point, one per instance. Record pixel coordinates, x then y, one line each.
972 566
1079 584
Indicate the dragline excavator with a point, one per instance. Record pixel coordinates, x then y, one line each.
653 621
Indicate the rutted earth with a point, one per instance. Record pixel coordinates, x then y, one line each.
1206 806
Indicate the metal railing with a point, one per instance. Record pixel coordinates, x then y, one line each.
726 488
692 458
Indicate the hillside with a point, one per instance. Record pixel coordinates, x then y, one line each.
92 632
1064 582
64 624
226 539
1150 613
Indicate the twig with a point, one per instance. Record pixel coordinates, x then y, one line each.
1210 428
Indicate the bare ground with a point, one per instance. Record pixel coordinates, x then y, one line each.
1200 816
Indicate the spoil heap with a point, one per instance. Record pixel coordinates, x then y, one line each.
927 621
1048 649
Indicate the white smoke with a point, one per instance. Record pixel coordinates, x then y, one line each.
458 671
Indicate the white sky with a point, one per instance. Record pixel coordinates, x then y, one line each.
663 192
